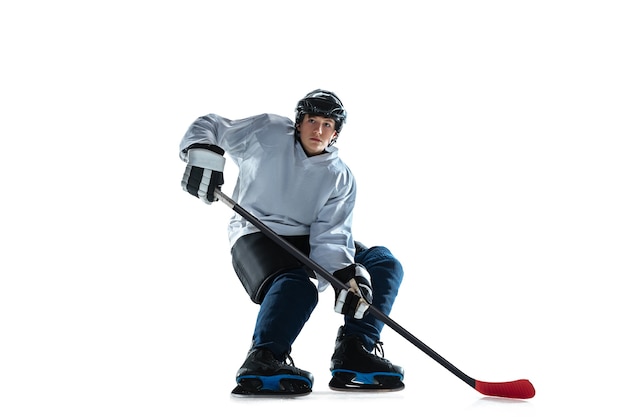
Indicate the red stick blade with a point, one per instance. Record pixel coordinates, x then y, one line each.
522 388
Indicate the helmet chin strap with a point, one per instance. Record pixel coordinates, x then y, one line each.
333 140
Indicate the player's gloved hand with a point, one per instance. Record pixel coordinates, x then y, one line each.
355 301
204 173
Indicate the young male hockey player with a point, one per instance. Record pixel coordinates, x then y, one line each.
292 179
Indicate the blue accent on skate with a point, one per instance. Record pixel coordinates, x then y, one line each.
368 378
272 382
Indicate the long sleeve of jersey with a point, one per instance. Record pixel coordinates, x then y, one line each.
291 193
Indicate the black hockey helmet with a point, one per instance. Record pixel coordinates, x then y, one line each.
322 103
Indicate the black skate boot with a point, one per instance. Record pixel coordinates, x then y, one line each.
355 369
263 374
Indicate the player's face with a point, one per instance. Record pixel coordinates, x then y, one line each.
316 132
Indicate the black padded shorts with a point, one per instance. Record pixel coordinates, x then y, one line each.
257 260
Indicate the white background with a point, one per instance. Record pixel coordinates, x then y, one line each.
487 138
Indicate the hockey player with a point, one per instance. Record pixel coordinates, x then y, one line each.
292 179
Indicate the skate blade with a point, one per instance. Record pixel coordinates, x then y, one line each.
242 393
366 388
283 388
349 381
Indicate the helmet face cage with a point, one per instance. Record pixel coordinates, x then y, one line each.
322 103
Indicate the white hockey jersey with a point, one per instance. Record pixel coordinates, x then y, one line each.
291 193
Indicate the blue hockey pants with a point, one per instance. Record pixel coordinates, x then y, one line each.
292 297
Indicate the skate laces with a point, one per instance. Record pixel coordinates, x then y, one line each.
378 349
288 360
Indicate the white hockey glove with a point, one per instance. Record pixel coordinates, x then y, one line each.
355 301
204 173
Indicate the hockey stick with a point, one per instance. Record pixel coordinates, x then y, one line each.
521 388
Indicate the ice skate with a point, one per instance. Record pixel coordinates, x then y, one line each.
263 375
355 369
